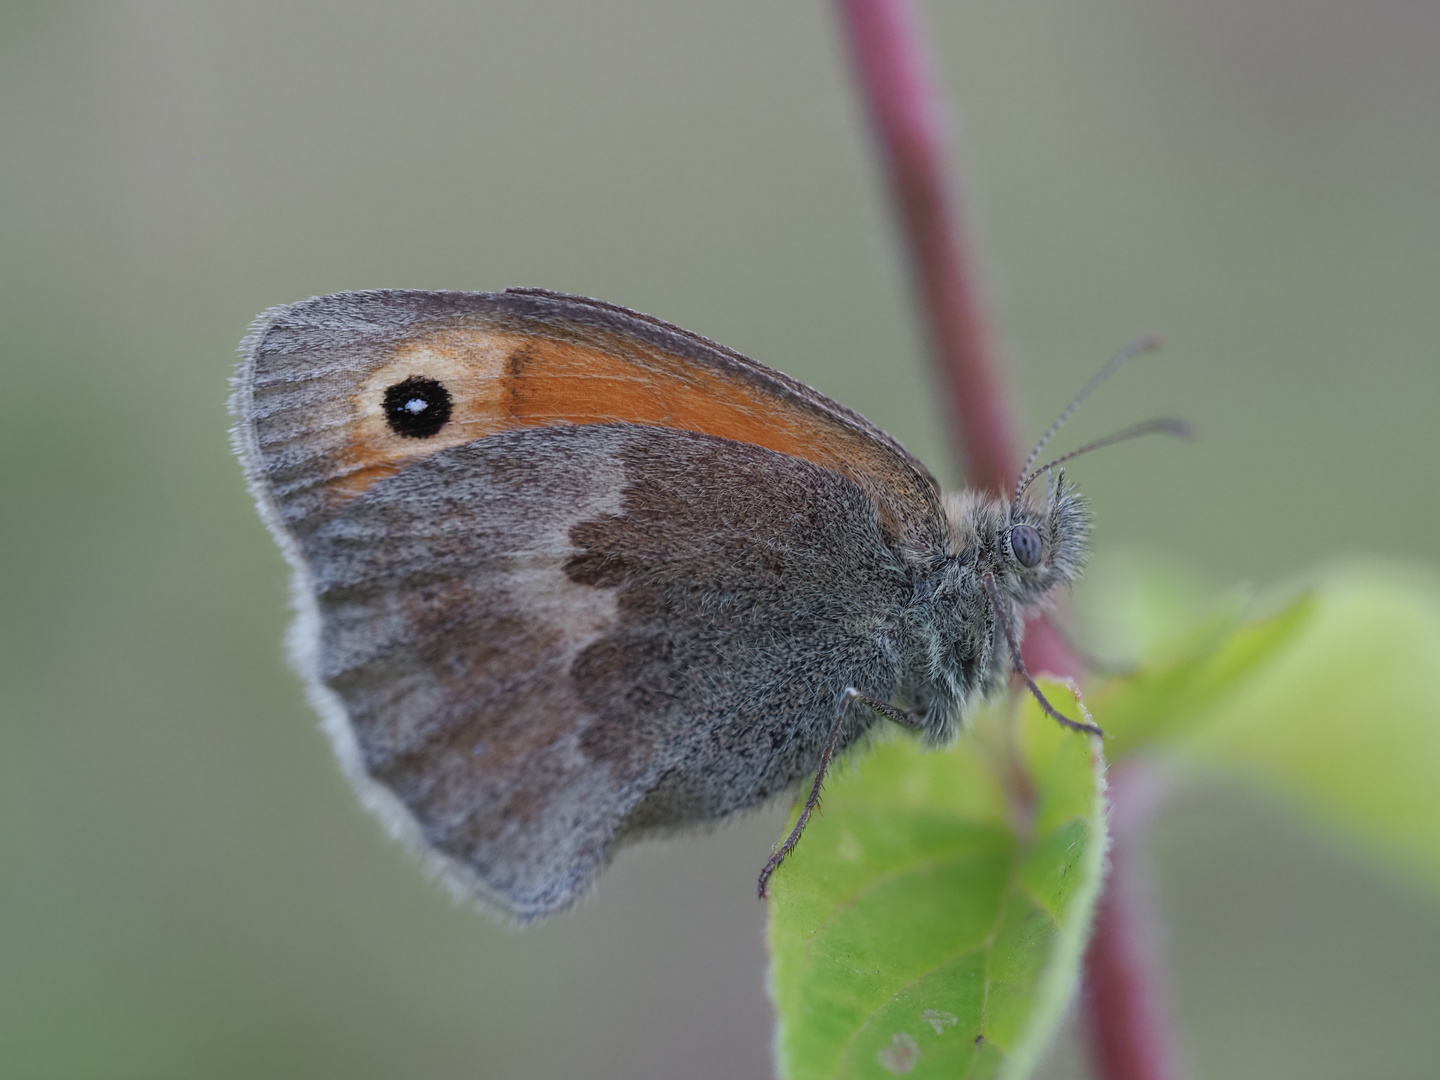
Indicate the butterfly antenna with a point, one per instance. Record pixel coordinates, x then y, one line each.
1169 425
1149 343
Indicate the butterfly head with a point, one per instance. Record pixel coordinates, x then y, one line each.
1004 560
1043 548
1029 548
1037 549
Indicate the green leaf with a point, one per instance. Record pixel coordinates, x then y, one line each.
945 896
1345 718
1333 701
932 920
1181 687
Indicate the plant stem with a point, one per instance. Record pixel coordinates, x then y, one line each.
1130 1036
888 51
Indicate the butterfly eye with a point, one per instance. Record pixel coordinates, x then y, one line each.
417 408
1025 543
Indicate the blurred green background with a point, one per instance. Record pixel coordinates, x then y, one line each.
188 888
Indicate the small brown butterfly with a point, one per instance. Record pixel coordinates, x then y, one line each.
568 575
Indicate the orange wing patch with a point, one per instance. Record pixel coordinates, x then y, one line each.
500 380
312 393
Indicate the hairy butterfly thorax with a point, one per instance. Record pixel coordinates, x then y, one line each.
1032 554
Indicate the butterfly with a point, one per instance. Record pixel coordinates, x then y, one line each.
568 575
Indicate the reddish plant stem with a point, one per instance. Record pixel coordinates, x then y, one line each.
888 51
1129 1033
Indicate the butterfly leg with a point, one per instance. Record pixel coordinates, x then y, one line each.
1018 662
903 717
900 716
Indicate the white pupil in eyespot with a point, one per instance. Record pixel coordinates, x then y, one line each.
415 406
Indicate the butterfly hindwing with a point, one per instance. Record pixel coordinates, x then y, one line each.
548 640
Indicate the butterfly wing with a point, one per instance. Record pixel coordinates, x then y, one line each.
622 587
315 432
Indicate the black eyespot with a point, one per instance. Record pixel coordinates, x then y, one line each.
417 408
1025 543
